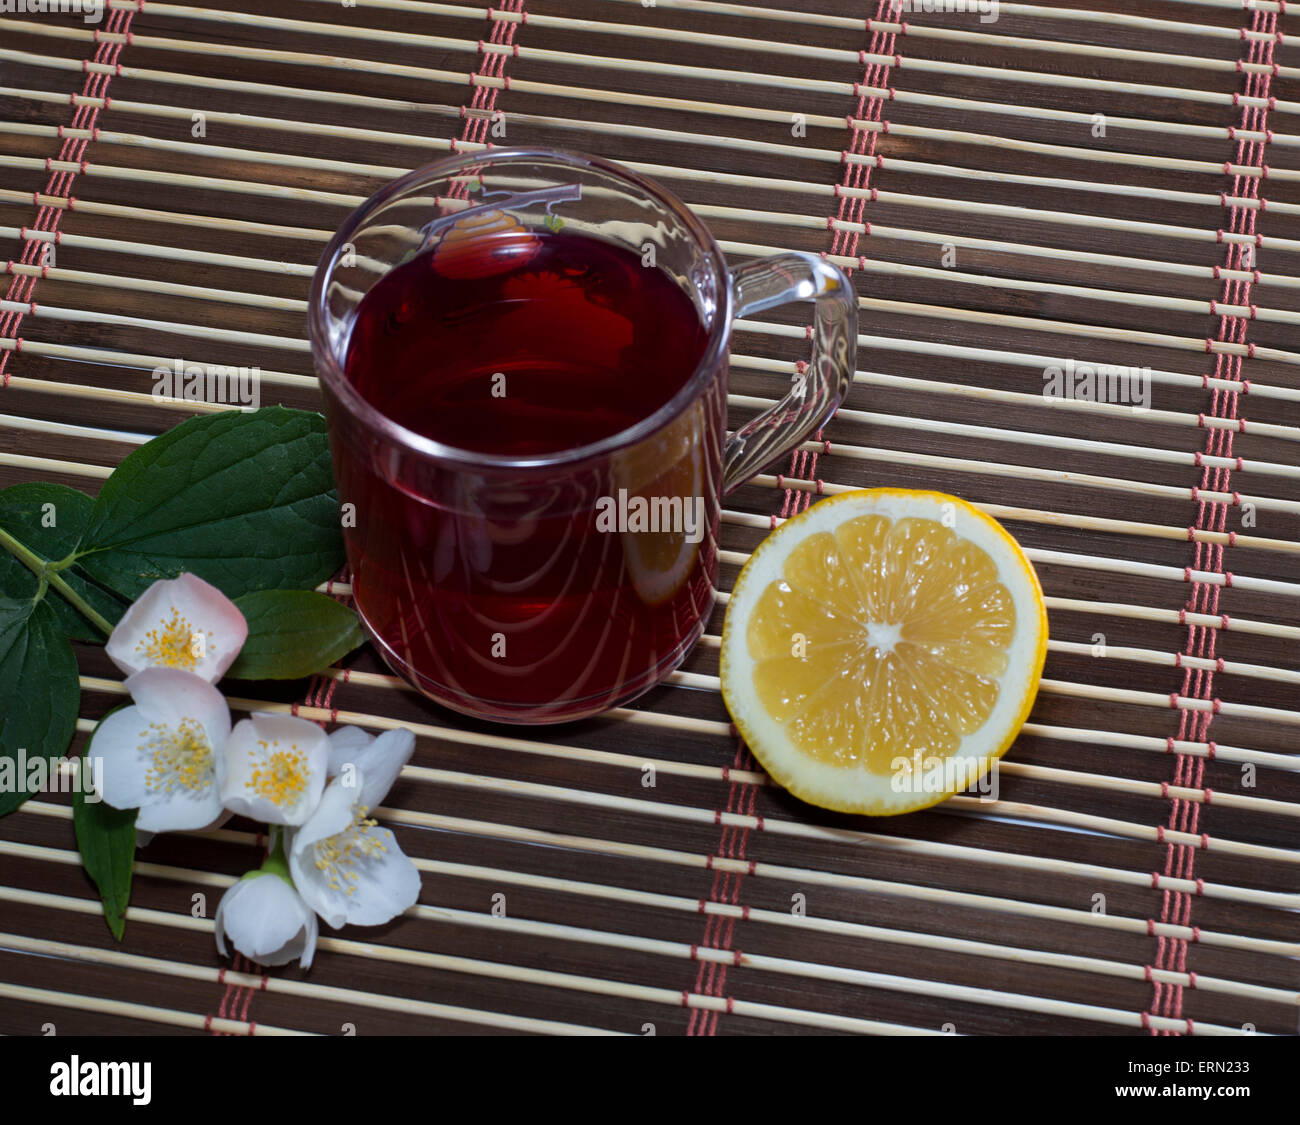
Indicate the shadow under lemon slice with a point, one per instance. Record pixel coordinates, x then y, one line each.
882 649
666 472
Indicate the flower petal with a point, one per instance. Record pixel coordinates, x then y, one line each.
358 876
275 769
331 816
320 886
164 755
165 695
381 764
266 920
389 883
119 773
181 623
346 744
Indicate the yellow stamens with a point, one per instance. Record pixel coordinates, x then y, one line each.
338 855
281 776
175 643
181 757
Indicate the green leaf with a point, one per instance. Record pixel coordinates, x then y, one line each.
26 511
293 633
245 501
106 838
39 693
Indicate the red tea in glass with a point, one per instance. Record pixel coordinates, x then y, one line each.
524 364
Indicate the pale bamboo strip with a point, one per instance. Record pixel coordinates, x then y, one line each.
67 429
1146 300
817 19
1172 701
1101 156
175 218
804 51
505 971
610 802
832 156
1095 523
147 362
46 465
941 238
114 959
1057 476
357 101
258 54
707 108
624 129
812 970
176 254
271 266
865 978
198 331
1170 616
748 113
842 88
1087 562
944 897
1151 744
696 815
981 41
1104 825
969 206
107 394
1178 660
222 152
1057 776
1287 762
1031 360
922 347
1060 558
1111 652
1099 331
1289 433
147 285
674 172
1105 409
146 176
1045 441
799 876
858 930
680 812
133 1011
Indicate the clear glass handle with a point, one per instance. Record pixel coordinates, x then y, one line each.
779 280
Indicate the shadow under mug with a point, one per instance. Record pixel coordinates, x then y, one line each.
492 583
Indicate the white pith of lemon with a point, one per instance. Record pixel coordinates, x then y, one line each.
883 626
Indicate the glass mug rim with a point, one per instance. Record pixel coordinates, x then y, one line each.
330 368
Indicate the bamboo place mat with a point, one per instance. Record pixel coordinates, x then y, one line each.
1109 183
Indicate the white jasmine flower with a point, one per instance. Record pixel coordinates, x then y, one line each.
165 753
182 623
266 919
275 769
347 868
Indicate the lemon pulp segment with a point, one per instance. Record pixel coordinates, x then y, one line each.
879 633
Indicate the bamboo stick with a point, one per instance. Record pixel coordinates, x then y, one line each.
802 876
540 930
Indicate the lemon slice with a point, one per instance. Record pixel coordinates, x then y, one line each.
882 649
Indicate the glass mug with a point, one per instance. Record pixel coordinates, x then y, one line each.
548 586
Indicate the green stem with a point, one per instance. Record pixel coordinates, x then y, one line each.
46 574
276 862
